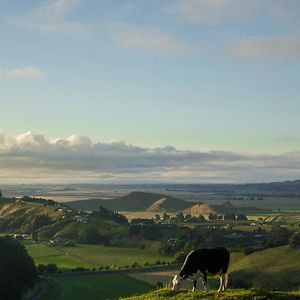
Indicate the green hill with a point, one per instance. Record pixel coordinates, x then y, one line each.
225 208
275 268
167 294
135 201
48 220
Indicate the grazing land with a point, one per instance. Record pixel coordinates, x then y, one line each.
92 256
93 287
229 294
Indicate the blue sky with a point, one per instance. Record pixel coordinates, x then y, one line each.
199 75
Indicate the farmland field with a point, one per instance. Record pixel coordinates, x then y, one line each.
93 287
91 256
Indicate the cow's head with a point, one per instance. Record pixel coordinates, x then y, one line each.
176 282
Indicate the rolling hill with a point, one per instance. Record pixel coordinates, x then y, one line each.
48 220
135 201
221 209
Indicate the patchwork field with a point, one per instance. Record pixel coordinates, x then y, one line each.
93 287
91 256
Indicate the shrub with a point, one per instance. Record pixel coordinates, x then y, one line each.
51 268
17 270
295 241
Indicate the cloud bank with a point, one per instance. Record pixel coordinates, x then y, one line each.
31 158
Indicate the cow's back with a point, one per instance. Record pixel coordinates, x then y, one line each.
209 261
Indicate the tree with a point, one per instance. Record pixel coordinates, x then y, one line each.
41 221
17 269
166 217
278 236
241 217
1 194
212 217
180 217
201 218
295 241
157 218
179 257
230 216
188 216
90 235
51 268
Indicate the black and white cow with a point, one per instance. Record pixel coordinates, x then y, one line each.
203 263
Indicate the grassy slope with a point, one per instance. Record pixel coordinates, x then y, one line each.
135 201
91 256
275 268
20 215
230 294
93 287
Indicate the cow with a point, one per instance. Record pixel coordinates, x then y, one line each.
202 263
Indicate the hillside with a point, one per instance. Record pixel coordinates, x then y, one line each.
135 201
56 221
167 294
225 208
266 269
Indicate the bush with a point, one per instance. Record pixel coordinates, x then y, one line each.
179 257
295 241
278 236
51 268
17 269
90 235
41 269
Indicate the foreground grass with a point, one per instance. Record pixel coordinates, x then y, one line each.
229 294
93 287
91 256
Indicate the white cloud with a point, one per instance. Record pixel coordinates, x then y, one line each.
151 39
22 73
212 12
266 47
31 157
53 17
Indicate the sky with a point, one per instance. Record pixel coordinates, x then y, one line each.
192 91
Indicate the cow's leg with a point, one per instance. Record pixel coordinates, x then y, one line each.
225 281
221 283
204 281
194 285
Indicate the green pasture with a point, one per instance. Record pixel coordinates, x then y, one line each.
93 287
91 256
240 294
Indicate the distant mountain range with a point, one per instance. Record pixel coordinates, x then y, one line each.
135 201
151 202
